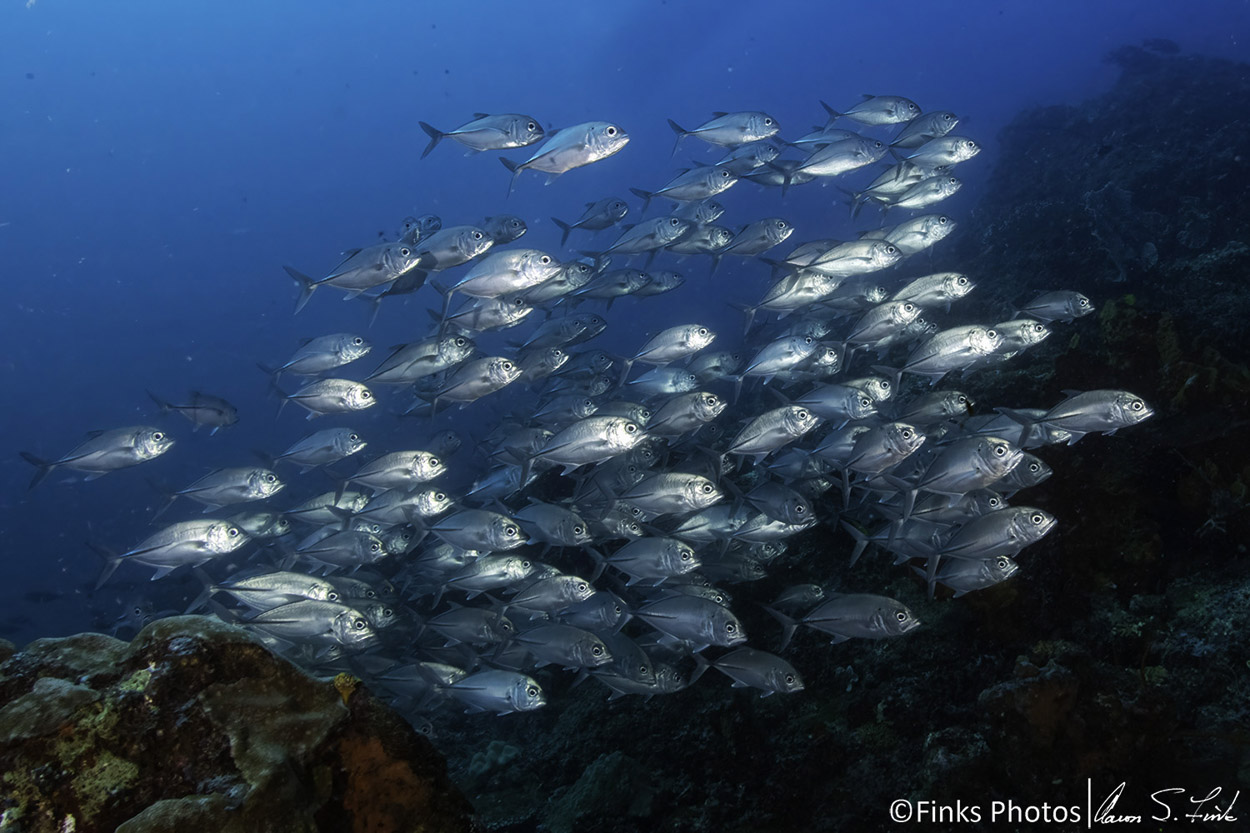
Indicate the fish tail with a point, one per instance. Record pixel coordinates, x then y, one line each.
516 171
681 134
111 560
861 542
645 196
435 134
716 259
833 114
307 285
788 625
160 403
45 468
565 228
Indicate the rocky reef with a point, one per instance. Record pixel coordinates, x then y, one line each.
1119 654
195 726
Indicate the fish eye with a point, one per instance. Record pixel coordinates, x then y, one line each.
611 131
371 593
364 394
901 615
991 333
440 497
943 220
506 365
633 527
1034 467
768 122
890 250
138 611
358 624
643 670
272 478
158 436
970 144
358 341
597 651
510 531
686 555
460 342
1136 406
519 302
807 339
477 235
909 307
375 546
703 331
545 259
907 433
352 437
1001 563
434 462
332 596
724 173
531 126
708 488
525 564
233 532
1036 518
730 627
579 530
582 587
802 414
1084 302
405 251
962 281
674 221
877 145
1000 450
630 428
995 502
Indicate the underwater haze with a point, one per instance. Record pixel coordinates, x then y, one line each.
167 169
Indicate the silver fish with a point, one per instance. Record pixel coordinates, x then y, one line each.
105 451
730 129
501 692
488 132
600 214
571 147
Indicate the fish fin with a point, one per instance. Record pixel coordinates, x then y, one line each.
833 114
45 468
111 560
645 196
307 285
788 624
435 135
565 228
516 171
681 134
861 541
160 403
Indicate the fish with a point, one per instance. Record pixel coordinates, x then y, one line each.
202 409
364 269
699 183
331 396
498 691
569 148
876 110
187 543
105 451
848 616
599 215
753 668
730 129
501 131
324 353
322 448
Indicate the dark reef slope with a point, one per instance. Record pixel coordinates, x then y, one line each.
1120 652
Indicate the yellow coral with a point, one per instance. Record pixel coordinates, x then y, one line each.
346 685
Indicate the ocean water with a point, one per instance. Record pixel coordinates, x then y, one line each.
161 162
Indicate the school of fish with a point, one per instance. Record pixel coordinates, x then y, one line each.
624 505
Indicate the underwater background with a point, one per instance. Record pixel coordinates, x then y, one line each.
160 163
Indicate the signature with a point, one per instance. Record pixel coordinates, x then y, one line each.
1204 808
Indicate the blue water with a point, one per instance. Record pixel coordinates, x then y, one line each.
161 162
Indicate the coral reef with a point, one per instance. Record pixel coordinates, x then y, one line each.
196 726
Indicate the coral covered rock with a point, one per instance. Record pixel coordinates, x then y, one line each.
195 726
